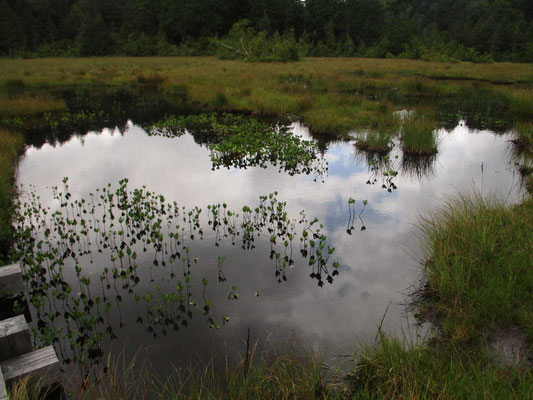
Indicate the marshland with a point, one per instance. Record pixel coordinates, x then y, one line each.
345 228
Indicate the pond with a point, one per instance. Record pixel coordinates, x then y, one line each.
369 206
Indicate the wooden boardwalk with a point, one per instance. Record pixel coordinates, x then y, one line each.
17 357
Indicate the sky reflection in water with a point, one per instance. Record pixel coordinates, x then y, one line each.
378 266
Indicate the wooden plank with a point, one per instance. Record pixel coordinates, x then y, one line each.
42 365
3 389
14 337
11 281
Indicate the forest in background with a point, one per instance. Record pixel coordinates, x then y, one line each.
445 30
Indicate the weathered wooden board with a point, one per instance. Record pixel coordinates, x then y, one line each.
14 337
42 365
11 281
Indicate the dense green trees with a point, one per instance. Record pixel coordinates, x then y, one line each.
477 30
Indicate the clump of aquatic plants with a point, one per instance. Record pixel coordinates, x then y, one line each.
237 141
84 256
418 133
377 141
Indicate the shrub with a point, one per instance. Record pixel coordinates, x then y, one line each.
138 45
243 42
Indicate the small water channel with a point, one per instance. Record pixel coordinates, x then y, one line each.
376 245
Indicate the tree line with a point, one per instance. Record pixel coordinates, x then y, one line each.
472 30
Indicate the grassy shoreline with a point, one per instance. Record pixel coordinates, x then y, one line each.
11 145
478 252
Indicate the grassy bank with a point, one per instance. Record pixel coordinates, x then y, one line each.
11 144
479 285
479 259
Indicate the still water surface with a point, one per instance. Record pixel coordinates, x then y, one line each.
378 266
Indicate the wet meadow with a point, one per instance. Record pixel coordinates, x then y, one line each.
165 209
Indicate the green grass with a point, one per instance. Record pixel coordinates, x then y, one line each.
330 95
29 105
393 370
524 136
281 372
418 134
479 266
378 141
11 144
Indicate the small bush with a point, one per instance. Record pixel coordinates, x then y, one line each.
244 43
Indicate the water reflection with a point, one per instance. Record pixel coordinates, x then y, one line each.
376 265
418 166
99 238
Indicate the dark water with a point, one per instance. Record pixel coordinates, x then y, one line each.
378 266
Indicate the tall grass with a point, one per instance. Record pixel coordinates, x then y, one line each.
418 134
394 370
11 145
379 141
524 136
390 369
479 257
283 373
519 99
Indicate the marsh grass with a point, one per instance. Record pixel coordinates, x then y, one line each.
479 254
11 144
519 99
479 251
330 95
281 371
341 113
30 105
375 141
418 133
524 136
394 370
389 369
